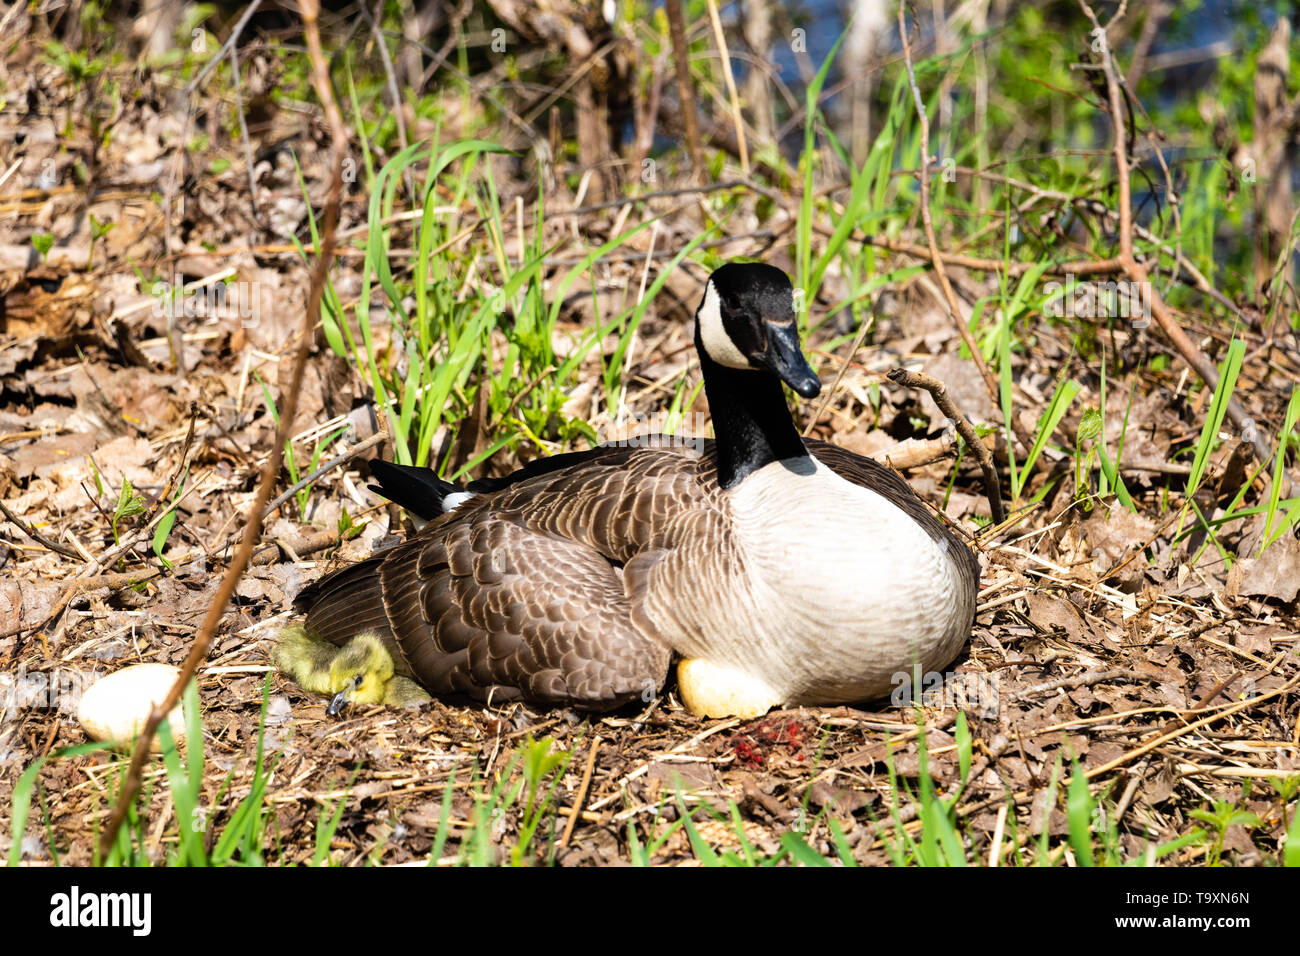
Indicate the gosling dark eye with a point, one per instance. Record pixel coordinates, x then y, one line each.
356 681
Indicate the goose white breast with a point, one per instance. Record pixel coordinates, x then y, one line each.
831 589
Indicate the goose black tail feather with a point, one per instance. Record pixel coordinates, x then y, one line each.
418 490
421 492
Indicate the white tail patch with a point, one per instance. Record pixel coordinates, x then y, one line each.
454 500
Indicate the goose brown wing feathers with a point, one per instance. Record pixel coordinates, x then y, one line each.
495 610
519 592
616 503
349 602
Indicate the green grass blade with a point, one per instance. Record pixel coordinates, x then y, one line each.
21 803
1218 410
1279 466
1079 808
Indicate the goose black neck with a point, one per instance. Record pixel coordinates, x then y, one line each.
750 419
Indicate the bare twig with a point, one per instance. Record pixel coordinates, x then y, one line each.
271 470
950 297
581 795
243 132
70 590
737 120
1210 694
176 166
1084 680
915 452
330 465
1137 272
1069 267
181 462
39 538
453 38
139 535
937 390
1188 728
393 93
226 47
1075 266
646 197
685 90
839 376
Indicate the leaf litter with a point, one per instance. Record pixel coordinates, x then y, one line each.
1100 638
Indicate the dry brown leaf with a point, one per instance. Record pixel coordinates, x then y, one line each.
1275 573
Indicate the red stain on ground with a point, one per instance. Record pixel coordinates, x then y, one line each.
753 745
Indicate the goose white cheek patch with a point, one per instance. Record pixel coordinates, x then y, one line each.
713 336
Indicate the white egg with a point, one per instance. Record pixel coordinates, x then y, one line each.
116 707
709 690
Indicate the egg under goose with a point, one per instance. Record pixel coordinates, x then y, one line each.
780 570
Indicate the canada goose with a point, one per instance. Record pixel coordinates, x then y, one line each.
782 571
360 671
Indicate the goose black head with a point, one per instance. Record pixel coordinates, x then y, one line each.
747 321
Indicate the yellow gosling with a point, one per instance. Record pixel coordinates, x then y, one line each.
360 671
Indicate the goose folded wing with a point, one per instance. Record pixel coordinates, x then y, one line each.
496 610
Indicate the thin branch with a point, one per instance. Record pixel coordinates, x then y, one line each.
330 465
271 470
39 538
1164 738
839 376
1137 272
243 132
1084 680
1078 267
937 390
950 297
453 39
226 47
685 93
737 120
393 93
581 795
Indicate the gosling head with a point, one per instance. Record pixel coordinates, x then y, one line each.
360 673
361 670
746 321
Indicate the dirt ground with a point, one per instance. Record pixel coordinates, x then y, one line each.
1172 680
